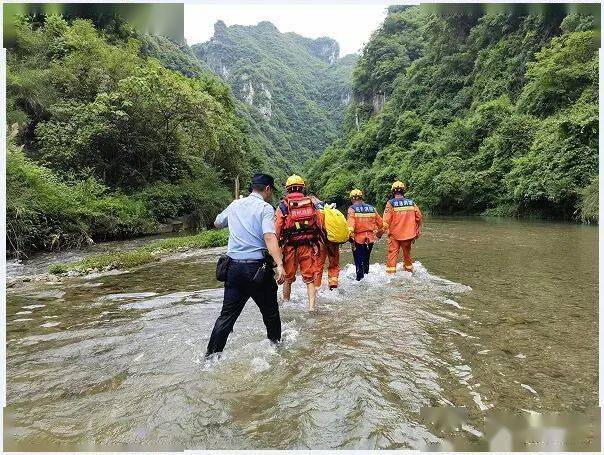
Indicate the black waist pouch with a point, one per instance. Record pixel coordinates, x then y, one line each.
222 267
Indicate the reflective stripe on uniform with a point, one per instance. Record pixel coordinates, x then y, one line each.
364 215
390 269
403 209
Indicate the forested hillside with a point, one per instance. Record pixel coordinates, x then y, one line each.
492 114
105 140
292 90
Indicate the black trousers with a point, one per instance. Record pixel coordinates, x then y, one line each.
238 288
361 253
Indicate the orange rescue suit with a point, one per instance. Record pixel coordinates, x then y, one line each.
364 223
330 252
403 220
303 256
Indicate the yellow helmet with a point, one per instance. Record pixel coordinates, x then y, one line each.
398 185
354 194
294 180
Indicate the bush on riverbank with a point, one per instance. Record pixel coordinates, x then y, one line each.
44 212
589 204
200 200
145 254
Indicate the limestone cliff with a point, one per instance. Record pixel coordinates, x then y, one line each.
293 89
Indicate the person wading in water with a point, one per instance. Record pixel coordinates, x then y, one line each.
251 223
328 252
403 219
298 227
365 225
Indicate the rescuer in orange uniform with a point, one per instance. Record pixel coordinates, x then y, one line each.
298 228
328 251
403 219
365 226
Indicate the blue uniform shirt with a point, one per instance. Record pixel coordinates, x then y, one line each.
248 219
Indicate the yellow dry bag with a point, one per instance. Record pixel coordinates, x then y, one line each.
335 225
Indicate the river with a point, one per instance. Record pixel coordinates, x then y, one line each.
500 314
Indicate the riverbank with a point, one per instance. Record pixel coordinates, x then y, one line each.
123 259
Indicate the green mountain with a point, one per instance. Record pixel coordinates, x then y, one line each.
292 90
480 113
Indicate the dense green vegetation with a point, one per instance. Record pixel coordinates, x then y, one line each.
143 255
292 90
492 114
106 141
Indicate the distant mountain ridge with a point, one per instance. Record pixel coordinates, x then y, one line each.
293 90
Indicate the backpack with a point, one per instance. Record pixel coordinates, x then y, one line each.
300 220
335 225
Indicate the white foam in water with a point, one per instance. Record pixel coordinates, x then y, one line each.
138 357
259 365
529 388
56 294
470 429
289 336
450 302
162 300
478 400
31 307
520 356
206 295
377 278
23 312
464 375
49 324
254 356
458 332
89 285
92 276
530 411
128 296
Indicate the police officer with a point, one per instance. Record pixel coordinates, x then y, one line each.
251 223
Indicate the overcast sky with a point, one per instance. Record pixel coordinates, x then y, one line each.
350 24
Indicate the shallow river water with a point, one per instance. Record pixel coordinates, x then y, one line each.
499 315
